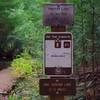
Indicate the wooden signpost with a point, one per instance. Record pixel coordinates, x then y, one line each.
58 51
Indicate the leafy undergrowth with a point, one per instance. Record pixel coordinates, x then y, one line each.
24 65
30 70
27 89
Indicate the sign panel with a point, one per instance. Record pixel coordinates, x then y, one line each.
58 53
57 86
58 14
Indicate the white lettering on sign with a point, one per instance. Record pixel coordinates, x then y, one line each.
58 14
58 48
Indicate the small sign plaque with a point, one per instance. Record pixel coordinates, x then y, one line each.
57 86
58 53
58 14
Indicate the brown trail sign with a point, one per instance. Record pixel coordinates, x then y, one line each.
58 14
58 53
57 87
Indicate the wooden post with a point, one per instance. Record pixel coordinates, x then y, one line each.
57 29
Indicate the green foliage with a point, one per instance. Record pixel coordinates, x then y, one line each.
37 67
83 30
29 68
22 64
27 88
25 25
14 97
25 65
17 97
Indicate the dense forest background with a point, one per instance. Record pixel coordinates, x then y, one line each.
21 38
21 29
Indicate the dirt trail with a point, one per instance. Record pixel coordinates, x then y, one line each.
7 80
